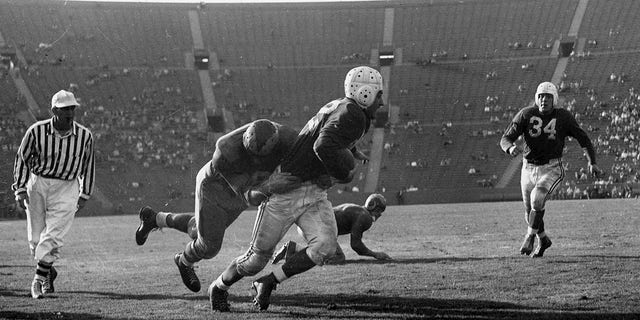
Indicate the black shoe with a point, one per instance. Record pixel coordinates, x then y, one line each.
287 250
147 224
527 244
189 276
263 287
47 286
218 299
545 243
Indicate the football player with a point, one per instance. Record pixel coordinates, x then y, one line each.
351 219
544 127
323 154
244 160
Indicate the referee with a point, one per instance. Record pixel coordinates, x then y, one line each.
53 178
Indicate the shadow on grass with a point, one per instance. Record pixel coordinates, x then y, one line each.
196 296
345 306
422 260
51 315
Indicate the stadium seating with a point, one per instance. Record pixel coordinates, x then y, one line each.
464 70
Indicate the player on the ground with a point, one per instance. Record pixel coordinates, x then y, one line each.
244 160
544 127
323 154
351 219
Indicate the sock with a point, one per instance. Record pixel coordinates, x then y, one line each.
161 219
541 234
535 219
42 271
229 276
179 221
184 260
298 263
279 274
220 284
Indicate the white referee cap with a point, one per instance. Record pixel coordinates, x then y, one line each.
63 99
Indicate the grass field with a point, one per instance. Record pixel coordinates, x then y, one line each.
454 261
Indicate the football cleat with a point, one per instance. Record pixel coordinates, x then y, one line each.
527 244
218 298
36 289
47 286
147 224
545 243
188 274
287 250
263 288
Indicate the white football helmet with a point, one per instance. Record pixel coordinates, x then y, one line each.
363 84
375 204
547 87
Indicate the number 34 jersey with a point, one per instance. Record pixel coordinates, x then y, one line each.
544 134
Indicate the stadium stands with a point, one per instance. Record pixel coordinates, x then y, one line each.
465 68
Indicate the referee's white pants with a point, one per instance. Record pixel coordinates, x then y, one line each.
50 211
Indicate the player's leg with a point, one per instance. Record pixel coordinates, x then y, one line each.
550 177
151 220
338 258
318 224
215 200
286 251
273 220
527 185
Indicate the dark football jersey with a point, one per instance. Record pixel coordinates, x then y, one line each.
339 125
242 169
544 134
352 217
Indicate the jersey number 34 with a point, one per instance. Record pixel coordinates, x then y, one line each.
536 130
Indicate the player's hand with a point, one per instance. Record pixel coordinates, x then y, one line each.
81 203
595 170
381 256
514 150
280 182
22 199
255 198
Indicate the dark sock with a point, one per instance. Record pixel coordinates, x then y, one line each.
43 269
298 263
535 220
179 221
230 275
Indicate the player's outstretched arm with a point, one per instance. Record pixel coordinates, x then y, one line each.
359 247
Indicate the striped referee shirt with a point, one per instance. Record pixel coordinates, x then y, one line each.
44 152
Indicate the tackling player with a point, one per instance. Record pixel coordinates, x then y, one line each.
323 154
351 219
544 128
244 159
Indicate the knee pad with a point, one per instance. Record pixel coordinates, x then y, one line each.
323 250
251 263
538 199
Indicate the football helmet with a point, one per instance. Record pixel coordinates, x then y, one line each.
547 87
363 84
375 204
260 137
